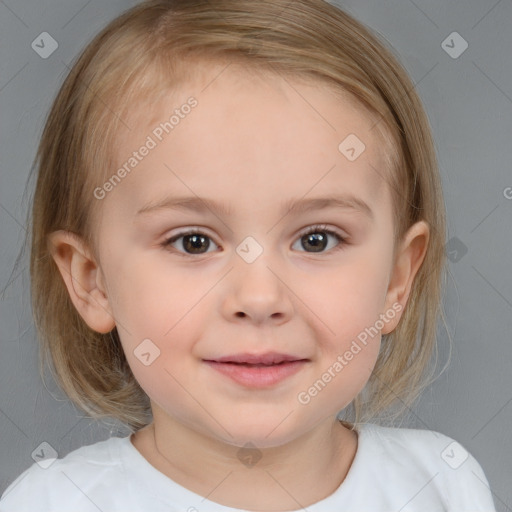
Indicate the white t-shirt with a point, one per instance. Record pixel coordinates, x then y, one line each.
393 470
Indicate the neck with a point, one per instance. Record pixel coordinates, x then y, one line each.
292 476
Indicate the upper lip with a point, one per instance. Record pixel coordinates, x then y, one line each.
266 358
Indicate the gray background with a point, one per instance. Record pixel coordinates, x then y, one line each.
469 102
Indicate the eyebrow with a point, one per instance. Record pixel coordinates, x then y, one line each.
293 206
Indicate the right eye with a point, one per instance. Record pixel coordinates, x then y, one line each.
191 242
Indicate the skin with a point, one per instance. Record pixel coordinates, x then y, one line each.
250 143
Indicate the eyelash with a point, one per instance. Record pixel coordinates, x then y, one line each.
342 241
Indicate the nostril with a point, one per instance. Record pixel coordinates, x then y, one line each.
240 314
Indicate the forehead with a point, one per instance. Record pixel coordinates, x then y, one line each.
271 134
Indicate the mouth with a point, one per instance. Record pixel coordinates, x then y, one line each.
266 359
258 370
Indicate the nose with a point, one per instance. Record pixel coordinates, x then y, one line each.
257 293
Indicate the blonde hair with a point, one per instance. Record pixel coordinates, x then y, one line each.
146 51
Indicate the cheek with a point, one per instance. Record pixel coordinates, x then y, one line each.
157 311
149 297
350 298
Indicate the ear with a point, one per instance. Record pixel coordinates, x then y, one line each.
408 260
83 279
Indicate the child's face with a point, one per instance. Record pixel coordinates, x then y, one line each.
252 146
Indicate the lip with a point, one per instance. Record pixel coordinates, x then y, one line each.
258 370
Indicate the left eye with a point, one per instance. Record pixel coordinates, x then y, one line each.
317 238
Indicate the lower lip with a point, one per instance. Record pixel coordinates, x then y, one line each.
258 376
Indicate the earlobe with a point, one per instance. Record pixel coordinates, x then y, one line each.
82 278
408 261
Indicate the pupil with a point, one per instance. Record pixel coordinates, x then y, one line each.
317 241
193 243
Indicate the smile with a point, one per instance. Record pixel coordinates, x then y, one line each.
257 370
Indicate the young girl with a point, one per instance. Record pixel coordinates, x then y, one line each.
238 233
